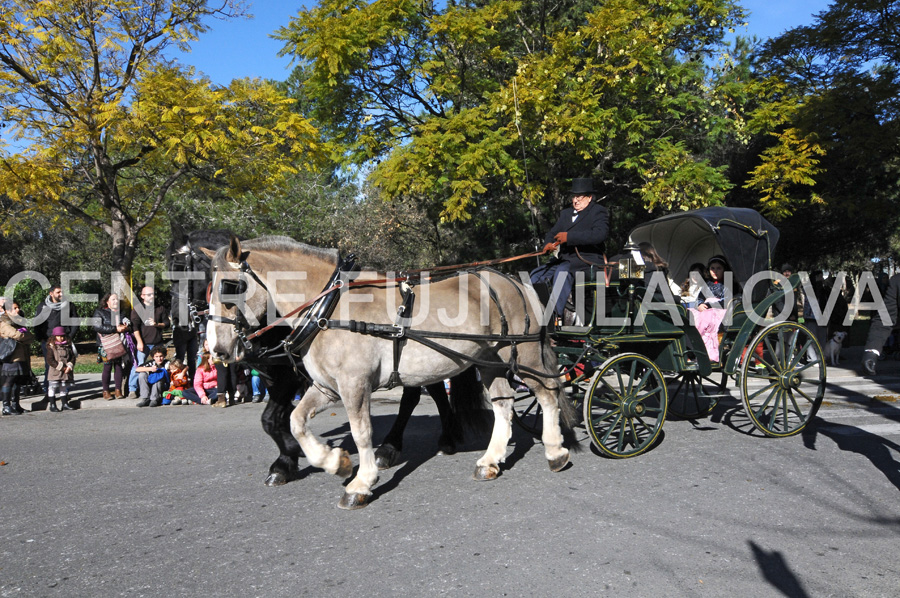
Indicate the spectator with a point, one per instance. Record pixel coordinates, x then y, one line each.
205 380
227 384
60 360
109 323
258 386
580 233
178 372
53 311
16 368
880 330
148 325
153 378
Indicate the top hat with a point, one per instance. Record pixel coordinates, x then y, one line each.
582 186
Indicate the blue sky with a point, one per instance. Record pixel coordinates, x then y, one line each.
243 48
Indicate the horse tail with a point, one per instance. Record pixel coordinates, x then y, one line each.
467 401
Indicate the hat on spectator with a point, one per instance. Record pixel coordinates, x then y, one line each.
58 331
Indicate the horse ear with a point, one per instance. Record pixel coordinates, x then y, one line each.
210 253
234 250
178 234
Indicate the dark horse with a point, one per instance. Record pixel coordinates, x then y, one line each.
186 258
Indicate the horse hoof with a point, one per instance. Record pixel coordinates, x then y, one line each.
386 456
354 500
558 463
486 472
276 478
447 449
345 468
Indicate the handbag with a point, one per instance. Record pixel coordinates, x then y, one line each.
112 346
7 347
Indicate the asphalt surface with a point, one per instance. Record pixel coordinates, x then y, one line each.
111 500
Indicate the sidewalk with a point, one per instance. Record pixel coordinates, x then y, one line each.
87 392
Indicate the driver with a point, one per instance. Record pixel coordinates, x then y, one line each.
579 233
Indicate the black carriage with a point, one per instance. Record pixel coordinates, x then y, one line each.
632 363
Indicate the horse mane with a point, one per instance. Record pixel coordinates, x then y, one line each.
282 243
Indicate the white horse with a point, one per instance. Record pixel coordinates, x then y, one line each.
494 323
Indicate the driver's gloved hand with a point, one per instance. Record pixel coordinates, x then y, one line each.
870 358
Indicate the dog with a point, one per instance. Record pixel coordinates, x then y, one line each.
833 348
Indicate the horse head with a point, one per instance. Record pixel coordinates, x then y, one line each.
242 293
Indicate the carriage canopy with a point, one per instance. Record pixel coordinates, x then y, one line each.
741 235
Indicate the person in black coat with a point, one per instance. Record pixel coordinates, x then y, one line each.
579 233
881 330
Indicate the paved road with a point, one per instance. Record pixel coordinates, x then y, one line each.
111 501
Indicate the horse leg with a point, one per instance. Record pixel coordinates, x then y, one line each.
488 467
557 455
276 421
333 460
446 441
388 454
359 490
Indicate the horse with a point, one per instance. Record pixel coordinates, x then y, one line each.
371 346
189 255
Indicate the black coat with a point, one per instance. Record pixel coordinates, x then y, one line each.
587 234
54 319
104 322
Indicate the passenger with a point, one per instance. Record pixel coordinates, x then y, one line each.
690 288
580 233
710 312
654 263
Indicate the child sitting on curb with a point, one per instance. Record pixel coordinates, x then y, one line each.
180 376
153 379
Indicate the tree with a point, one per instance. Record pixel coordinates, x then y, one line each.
840 77
463 106
103 127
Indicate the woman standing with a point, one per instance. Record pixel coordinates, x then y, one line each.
17 365
109 321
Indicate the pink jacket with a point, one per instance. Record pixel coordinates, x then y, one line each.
204 381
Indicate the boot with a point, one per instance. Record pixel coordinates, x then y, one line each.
107 396
15 407
65 404
118 394
53 407
6 410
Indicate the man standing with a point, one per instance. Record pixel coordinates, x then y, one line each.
579 233
53 311
148 323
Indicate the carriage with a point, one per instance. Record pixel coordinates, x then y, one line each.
629 365
633 363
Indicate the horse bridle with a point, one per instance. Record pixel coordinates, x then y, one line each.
319 307
185 260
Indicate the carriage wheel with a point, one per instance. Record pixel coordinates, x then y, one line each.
692 395
527 413
625 406
783 379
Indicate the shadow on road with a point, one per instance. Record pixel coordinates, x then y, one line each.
776 571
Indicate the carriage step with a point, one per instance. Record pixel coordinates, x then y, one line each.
579 330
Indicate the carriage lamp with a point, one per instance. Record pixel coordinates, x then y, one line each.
631 264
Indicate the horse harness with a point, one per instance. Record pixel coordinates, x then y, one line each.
318 310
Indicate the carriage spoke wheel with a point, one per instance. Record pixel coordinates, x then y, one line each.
625 406
783 379
692 395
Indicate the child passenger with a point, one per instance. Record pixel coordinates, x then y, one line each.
710 311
